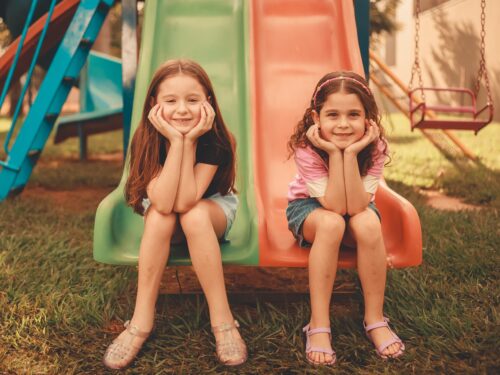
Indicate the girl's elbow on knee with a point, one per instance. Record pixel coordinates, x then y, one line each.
355 211
183 208
338 210
162 209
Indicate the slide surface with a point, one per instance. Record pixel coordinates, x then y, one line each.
214 34
101 99
293 44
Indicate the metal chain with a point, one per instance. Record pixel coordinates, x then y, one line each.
482 61
416 64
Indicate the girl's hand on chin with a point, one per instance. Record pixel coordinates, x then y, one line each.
315 138
372 133
205 124
168 131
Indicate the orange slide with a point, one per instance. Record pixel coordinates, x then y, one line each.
294 43
61 17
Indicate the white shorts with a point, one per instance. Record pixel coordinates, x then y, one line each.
228 203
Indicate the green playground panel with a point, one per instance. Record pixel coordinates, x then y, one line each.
215 34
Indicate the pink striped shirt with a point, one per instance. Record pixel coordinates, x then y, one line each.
312 177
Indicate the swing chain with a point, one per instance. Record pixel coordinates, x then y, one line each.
482 62
416 64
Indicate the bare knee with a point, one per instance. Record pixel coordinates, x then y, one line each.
331 226
366 229
196 220
159 222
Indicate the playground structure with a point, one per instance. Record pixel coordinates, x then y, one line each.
419 105
101 104
285 45
434 119
62 74
255 52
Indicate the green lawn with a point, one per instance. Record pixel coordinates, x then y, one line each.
59 309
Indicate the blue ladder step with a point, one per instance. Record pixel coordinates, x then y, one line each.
7 166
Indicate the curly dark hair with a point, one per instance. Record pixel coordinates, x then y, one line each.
351 84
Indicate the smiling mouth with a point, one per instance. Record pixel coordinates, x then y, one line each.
342 134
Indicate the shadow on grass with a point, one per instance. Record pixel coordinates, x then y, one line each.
403 139
473 182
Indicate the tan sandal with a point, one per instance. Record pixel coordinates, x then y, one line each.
230 350
121 350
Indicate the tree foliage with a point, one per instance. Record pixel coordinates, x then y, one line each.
382 16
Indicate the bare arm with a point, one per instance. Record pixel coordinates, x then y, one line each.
194 179
162 189
356 197
335 195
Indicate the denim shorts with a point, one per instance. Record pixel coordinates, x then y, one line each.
297 212
228 203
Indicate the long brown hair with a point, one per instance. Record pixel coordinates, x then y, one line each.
350 83
149 147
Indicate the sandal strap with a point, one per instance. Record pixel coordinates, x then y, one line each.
371 327
320 350
394 340
314 331
386 344
135 331
224 327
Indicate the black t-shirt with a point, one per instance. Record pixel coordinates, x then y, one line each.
207 152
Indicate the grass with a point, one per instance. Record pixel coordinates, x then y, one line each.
60 309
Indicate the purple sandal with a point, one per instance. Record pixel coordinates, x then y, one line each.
309 332
395 339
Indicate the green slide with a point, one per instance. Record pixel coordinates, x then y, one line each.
215 34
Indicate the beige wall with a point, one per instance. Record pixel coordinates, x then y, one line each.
449 45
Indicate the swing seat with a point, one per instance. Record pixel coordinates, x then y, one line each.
428 119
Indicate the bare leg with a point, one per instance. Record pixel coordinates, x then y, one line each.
202 226
153 255
372 268
324 229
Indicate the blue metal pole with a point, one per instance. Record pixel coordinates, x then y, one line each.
28 76
129 65
362 9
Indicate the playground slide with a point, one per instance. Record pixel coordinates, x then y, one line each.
294 43
61 18
214 34
101 100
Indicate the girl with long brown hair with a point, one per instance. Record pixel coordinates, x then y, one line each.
182 176
340 150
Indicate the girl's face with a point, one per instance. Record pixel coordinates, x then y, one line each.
342 120
180 97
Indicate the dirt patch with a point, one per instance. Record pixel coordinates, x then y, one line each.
116 156
251 280
440 201
77 200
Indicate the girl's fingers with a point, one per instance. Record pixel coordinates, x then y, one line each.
203 115
210 115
